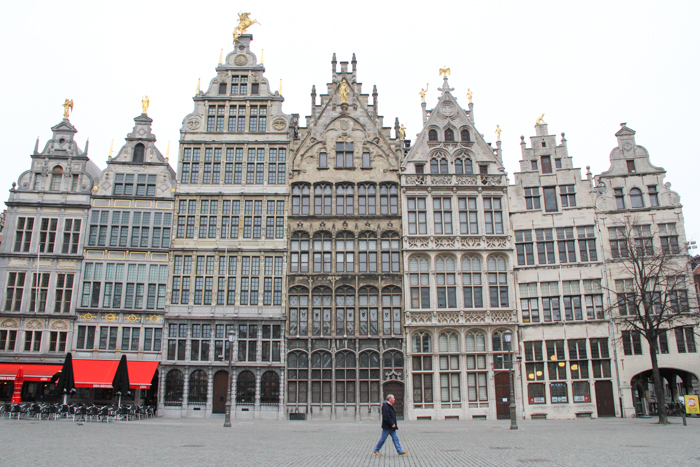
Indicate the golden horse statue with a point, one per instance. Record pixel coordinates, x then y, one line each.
244 22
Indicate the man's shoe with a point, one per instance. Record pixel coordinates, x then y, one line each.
403 453
377 453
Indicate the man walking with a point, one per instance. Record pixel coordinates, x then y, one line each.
389 427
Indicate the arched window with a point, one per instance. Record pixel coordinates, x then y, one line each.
463 166
56 176
636 200
345 377
300 252
420 282
471 282
369 311
476 367
323 201
502 346
301 194
321 377
446 282
345 252
391 252
432 135
391 310
344 200
393 360
345 311
270 388
297 377
245 388
498 282
323 245
422 369
174 387
322 302
198 388
449 135
298 311
369 377
389 198
367 252
449 368
139 149
465 135
438 166
367 199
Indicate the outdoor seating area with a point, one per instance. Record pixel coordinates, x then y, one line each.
76 412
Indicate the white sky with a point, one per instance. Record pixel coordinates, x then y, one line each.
588 66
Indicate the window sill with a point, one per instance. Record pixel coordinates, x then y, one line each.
323 168
345 168
366 168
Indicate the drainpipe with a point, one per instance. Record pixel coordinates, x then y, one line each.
611 326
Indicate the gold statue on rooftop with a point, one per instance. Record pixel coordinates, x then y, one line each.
469 94
144 104
402 132
343 91
67 107
498 132
540 120
244 22
444 71
423 91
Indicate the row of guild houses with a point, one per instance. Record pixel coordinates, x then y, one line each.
343 263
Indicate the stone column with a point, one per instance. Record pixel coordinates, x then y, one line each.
258 376
210 391
234 385
185 389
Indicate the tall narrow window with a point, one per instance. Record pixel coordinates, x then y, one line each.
550 199
446 282
471 282
449 135
546 164
139 150
344 155
420 282
56 176
442 216
498 282
636 200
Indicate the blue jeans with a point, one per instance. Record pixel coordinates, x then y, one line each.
394 436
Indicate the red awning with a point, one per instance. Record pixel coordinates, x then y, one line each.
100 373
32 372
141 374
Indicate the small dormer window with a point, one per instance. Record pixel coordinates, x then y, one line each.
432 135
56 176
255 89
449 135
630 167
636 200
544 144
222 89
533 165
139 149
419 168
465 135
557 163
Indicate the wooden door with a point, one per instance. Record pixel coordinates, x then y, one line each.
397 390
502 382
604 399
220 386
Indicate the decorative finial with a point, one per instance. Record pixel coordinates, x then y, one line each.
280 86
423 91
262 56
111 147
498 132
67 106
444 71
221 56
469 94
540 120
197 92
244 22
167 152
343 91
144 104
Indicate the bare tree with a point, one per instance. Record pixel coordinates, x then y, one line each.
651 280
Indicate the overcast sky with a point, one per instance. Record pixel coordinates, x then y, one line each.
587 65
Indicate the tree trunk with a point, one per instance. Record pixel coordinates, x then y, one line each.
659 389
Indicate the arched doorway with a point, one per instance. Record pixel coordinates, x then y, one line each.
676 383
220 392
395 388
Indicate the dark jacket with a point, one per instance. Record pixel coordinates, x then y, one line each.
388 417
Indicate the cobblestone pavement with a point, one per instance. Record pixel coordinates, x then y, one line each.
603 442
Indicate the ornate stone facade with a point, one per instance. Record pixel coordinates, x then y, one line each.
344 322
458 280
229 247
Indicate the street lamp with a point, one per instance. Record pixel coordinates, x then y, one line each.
507 337
231 341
